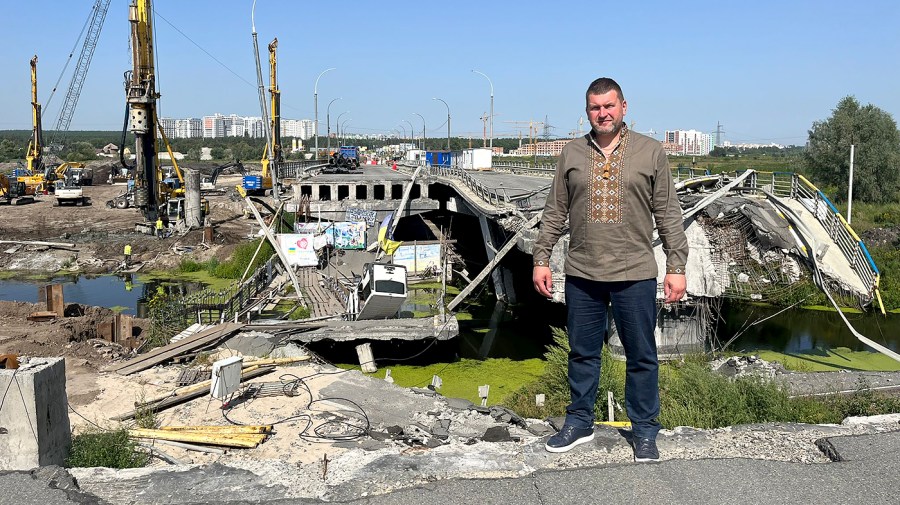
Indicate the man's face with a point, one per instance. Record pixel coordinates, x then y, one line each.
606 112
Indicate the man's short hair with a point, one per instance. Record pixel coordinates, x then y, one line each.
604 85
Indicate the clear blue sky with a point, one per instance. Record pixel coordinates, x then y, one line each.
765 69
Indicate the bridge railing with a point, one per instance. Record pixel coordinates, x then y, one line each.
838 229
682 173
292 169
490 195
210 307
520 168
796 187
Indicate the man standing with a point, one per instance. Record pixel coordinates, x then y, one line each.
159 227
612 185
127 255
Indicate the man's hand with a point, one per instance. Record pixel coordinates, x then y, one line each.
674 286
542 278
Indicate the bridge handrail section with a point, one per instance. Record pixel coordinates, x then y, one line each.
205 304
497 197
292 169
795 186
838 229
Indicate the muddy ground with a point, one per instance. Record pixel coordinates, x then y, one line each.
99 234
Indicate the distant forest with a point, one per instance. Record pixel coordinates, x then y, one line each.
81 145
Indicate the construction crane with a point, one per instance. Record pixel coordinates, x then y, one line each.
533 128
67 110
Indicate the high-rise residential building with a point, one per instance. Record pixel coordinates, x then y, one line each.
168 126
298 128
687 142
214 126
188 128
254 127
232 125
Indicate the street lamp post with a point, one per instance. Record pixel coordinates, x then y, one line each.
328 121
337 123
412 134
404 131
448 122
316 108
492 106
423 129
344 131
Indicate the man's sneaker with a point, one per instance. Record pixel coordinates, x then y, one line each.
645 450
568 437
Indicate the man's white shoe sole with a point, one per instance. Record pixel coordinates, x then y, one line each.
571 446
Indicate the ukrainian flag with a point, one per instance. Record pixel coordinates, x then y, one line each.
387 244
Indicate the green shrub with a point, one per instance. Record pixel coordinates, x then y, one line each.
188 265
300 312
110 449
236 265
691 394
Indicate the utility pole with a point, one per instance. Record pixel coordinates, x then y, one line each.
484 118
850 188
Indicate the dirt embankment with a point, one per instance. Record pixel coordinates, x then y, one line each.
99 234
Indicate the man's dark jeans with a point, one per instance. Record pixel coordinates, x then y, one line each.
634 311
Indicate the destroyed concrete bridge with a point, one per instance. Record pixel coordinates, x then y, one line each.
753 235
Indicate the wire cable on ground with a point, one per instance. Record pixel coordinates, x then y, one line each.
329 431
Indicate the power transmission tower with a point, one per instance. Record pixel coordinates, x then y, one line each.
547 128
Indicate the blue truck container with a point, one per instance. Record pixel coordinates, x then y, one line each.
439 158
351 152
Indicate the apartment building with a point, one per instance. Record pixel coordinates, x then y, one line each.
687 142
552 148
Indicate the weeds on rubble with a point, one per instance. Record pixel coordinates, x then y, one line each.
691 394
110 449
144 416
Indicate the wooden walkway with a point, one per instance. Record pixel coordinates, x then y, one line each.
319 299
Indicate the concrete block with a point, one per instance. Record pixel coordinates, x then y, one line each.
34 422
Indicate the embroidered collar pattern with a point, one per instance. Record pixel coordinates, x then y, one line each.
607 196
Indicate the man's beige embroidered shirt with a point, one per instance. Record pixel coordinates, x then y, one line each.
611 204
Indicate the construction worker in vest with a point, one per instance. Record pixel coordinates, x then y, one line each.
159 227
127 255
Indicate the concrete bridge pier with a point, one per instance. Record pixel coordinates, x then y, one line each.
501 276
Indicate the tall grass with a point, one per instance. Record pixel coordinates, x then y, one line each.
691 394
233 267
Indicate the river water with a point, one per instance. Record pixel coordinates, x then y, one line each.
523 331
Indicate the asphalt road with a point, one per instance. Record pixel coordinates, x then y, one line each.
865 474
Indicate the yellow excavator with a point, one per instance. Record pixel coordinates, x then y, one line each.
13 192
